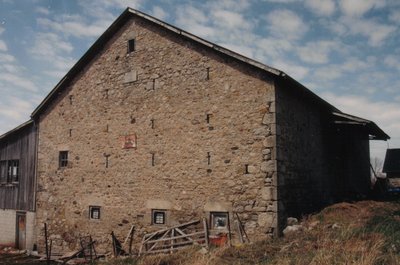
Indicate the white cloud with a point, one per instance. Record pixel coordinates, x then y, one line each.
195 21
3 46
392 62
16 80
42 10
159 13
359 7
317 52
102 9
75 26
374 31
395 16
274 48
230 20
353 64
327 73
298 72
282 1
13 111
321 7
49 45
6 58
54 51
241 49
9 68
284 23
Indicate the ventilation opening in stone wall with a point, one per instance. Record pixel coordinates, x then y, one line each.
131 45
246 169
106 156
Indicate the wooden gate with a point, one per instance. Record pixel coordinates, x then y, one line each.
175 238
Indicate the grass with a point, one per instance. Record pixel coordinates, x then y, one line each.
362 233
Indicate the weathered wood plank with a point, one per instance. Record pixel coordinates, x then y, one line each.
19 145
175 237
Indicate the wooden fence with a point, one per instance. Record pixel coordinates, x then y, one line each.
175 238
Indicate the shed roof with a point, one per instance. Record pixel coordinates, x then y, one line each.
392 161
364 125
16 129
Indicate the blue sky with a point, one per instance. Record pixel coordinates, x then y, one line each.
346 51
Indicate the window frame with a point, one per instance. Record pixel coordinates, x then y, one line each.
63 159
214 215
93 208
154 213
12 174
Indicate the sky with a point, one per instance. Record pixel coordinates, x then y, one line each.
346 51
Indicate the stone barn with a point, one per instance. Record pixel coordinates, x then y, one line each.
17 186
155 126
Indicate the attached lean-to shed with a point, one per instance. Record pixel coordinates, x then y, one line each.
17 186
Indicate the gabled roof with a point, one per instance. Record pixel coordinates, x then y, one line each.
368 126
392 161
275 73
128 13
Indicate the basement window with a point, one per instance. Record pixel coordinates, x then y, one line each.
63 159
13 171
158 217
94 212
219 220
131 45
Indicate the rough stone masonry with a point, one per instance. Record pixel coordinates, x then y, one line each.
203 131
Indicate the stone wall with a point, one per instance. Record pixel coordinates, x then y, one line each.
204 130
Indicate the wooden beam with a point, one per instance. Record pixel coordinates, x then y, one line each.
175 237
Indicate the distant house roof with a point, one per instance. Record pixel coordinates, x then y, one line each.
392 161
370 127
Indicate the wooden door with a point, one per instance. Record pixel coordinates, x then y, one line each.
20 241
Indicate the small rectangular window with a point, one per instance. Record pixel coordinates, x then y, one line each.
158 217
131 45
63 159
219 220
13 171
94 212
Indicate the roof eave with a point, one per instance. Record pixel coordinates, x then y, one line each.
16 129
